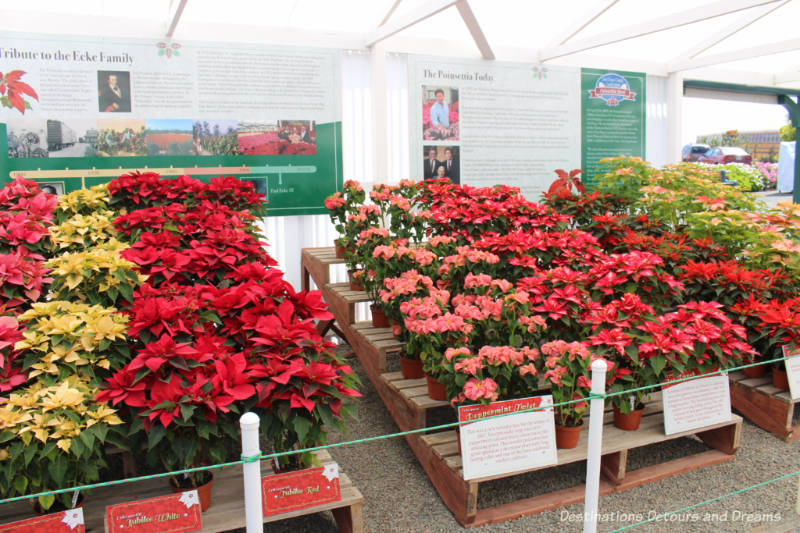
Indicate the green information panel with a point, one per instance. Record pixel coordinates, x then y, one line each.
77 111
612 117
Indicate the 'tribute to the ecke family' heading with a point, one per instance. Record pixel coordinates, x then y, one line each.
66 55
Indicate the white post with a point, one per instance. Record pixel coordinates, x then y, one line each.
674 117
592 496
254 519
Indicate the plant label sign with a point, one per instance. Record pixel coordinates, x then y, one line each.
70 521
792 355
696 403
523 438
174 513
281 493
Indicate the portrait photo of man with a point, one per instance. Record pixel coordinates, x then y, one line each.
431 163
440 116
114 91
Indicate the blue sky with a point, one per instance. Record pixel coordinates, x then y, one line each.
155 124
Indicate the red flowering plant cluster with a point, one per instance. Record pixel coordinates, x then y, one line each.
500 271
216 330
770 324
26 212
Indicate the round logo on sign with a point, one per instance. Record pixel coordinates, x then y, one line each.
613 89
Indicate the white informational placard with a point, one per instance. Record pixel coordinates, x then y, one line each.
793 370
511 443
696 404
501 122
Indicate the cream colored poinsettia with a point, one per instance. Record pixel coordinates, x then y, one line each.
72 336
59 412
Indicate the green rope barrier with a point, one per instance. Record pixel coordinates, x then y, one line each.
366 440
251 458
706 502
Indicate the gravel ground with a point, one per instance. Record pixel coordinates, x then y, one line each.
772 197
398 497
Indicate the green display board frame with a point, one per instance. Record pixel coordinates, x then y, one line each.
613 117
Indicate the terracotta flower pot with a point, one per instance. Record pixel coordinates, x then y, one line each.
203 492
755 371
379 318
339 250
436 390
567 437
355 285
411 368
779 379
629 421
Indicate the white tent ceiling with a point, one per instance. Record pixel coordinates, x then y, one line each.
744 41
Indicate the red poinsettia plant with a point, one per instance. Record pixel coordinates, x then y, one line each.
217 331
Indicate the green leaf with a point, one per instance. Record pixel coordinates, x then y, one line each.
20 484
187 411
77 447
658 362
326 414
46 501
157 432
58 469
87 437
301 426
29 453
126 291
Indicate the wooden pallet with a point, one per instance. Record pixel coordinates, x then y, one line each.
765 405
411 408
227 502
438 455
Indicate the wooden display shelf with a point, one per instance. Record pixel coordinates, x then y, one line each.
315 264
410 406
765 405
227 502
438 455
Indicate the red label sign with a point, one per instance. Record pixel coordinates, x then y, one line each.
282 493
669 375
470 413
67 522
174 514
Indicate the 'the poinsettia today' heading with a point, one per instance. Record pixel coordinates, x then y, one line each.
83 56
466 76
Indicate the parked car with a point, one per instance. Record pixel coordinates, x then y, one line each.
693 152
726 154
